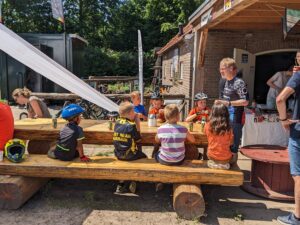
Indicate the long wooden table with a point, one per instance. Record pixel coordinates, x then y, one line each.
95 131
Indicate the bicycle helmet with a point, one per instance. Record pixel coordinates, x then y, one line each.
155 95
200 96
14 150
71 110
113 114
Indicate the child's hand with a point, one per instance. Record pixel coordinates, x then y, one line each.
161 111
85 159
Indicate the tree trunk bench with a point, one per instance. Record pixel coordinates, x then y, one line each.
188 200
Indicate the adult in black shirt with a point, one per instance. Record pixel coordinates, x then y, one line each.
293 124
235 97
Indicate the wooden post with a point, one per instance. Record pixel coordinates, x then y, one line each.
188 201
16 190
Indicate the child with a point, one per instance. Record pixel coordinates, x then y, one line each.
126 140
220 137
138 108
157 107
69 144
201 110
172 137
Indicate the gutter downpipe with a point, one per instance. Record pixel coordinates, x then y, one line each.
196 37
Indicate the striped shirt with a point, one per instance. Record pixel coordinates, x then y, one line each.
172 137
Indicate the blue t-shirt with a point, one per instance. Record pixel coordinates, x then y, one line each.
294 83
235 89
140 109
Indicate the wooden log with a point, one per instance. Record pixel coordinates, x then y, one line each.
188 201
16 190
109 168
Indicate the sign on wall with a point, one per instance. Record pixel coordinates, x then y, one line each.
227 4
206 17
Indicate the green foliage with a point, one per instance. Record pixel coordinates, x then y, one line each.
110 26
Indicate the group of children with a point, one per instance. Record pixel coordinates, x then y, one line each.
170 135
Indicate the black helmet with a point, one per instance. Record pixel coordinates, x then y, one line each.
155 95
200 96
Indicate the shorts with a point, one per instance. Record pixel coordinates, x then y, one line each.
294 155
159 160
138 155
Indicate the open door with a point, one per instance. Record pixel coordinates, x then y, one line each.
246 64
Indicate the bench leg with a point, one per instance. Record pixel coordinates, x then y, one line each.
188 201
16 190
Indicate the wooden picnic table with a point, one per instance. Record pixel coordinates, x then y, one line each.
95 131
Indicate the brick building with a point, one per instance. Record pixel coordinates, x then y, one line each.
248 30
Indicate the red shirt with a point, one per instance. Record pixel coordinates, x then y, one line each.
7 124
218 145
205 112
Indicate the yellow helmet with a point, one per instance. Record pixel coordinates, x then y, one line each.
14 150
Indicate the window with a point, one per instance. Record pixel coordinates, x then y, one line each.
181 71
171 71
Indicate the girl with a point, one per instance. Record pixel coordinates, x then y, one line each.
220 137
200 110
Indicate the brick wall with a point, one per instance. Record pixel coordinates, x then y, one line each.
221 44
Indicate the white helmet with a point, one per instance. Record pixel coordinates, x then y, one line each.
200 96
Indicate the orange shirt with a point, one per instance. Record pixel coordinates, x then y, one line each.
7 124
201 113
218 145
156 112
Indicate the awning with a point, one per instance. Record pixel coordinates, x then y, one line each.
30 56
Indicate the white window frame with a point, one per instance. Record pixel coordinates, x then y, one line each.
171 71
181 70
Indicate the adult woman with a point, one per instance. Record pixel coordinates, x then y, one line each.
276 83
35 106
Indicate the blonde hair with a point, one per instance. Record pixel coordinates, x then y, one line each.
171 112
21 91
228 62
135 94
125 108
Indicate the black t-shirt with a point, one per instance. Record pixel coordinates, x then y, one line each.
235 89
67 142
294 83
222 82
125 138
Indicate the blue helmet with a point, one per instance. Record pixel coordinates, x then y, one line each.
71 110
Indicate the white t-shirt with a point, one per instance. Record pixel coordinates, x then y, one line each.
280 80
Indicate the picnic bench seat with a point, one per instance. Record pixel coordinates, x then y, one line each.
188 200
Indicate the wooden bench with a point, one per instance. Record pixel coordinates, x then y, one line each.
188 200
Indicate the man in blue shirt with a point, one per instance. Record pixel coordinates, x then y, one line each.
293 124
235 96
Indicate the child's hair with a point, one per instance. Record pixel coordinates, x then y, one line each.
21 91
125 108
228 62
219 119
171 112
135 94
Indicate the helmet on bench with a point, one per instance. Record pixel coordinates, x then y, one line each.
15 150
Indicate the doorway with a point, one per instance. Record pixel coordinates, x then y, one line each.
266 66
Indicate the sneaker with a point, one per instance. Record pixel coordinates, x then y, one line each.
289 219
132 187
213 165
159 187
121 188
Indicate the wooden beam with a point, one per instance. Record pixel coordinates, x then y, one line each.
16 190
201 48
247 26
221 16
256 20
280 1
188 201
109 168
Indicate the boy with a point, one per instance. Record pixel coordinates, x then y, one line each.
69 144
138 108
201 110
172 137
126 140
157 107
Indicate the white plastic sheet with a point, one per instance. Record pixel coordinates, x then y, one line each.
30 56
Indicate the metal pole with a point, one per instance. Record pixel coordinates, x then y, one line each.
141 88
65 45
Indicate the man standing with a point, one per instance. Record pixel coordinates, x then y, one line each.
292 87
235 97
